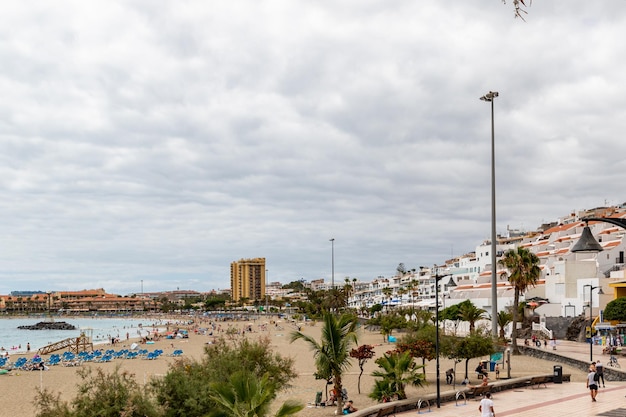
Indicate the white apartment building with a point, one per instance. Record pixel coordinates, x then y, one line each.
564 273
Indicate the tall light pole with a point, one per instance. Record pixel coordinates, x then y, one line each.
600 292
267 280
437 278
490 97
332 257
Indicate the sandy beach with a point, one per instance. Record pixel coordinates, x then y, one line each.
19 388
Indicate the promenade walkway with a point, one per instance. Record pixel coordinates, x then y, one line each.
570 399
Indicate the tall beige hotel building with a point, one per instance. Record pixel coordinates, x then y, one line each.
247 279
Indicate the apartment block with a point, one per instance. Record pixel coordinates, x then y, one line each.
247 279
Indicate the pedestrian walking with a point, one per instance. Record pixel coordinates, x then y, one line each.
486 406
600 372
592 383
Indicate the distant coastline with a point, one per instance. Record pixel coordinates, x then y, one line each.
100 328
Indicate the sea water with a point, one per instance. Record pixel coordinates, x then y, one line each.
15 340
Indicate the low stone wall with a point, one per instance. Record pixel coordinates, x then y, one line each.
430 400
610 374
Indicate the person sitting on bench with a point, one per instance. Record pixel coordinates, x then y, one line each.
484 383
480 370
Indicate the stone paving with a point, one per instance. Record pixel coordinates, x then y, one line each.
566 399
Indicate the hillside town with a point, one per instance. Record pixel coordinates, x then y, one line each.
568 279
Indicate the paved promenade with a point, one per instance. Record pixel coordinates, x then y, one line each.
570 399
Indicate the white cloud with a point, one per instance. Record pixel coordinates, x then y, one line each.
161 141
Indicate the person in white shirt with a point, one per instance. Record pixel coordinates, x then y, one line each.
486 406
591 382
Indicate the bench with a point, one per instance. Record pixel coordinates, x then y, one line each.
387 411
537 381
480 390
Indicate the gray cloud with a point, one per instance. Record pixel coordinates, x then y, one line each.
158 142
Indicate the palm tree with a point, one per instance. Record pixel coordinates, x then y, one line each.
469 312
332 353
348 290
504 318
523 266
401 292
411 286
398 369
244 395
336 299
387 292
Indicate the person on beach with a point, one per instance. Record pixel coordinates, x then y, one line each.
486 406
592 383
28 347
449 376
349 407
332 400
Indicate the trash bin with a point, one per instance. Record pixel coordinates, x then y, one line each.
558 374
492 366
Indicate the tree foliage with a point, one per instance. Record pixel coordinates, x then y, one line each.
111 394
616 310
362 354
182 392
388 322
470 313
244 394
397 370
504 318
523 266
186 384
332 352
295 285
473 345
517 5
375 309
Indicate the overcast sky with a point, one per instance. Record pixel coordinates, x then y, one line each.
159 141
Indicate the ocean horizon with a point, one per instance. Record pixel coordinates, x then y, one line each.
101 329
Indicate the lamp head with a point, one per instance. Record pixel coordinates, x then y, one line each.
490 96
587 243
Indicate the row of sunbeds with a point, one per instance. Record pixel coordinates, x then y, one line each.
72 359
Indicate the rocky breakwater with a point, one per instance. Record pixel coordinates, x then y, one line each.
49 325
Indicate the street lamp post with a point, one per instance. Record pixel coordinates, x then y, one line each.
332 260
600 292
267 278
437 278
49 305
490 97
